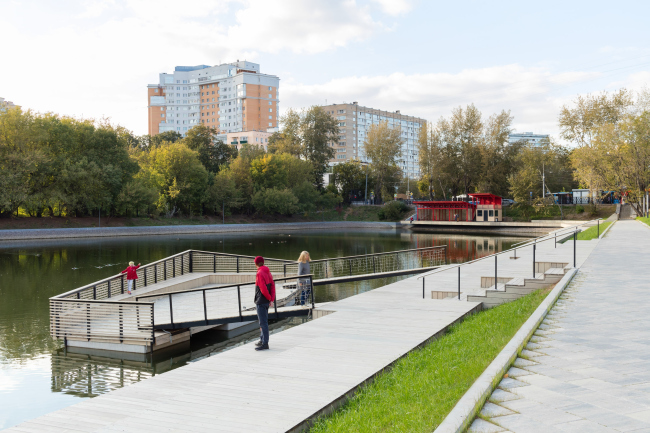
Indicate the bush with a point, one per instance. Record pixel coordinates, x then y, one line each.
272 200
580 208
392 211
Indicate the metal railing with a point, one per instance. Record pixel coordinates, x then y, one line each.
76 314
572 232
216 305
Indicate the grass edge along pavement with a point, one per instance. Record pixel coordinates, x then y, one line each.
422 388
645 220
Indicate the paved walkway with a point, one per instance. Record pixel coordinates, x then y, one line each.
587 368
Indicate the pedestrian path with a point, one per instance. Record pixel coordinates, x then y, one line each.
587 367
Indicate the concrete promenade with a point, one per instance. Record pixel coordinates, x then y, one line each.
587 368
41 234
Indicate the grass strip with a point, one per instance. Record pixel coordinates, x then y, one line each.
422 388
592 232
644 220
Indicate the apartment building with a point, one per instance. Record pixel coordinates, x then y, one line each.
4 105
231 97
528 137
355 121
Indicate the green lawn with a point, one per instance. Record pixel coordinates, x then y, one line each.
592 232
422 388
644 220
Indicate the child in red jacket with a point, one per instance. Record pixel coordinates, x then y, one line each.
131 274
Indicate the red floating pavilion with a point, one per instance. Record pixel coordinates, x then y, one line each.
483 207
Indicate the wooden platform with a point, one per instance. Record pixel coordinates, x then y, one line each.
308 368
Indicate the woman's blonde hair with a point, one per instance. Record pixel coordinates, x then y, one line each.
131 264
304 257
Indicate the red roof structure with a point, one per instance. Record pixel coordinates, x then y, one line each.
486 199
444 210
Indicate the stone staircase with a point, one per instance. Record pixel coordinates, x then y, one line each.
508 289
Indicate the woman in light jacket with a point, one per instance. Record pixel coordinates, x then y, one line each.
303 283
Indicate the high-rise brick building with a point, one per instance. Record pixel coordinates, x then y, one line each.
231 97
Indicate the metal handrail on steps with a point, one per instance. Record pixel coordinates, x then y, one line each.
572 232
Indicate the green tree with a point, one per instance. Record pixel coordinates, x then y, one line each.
350 179
308 135
279 170
383 148
213 153
275 201
164 137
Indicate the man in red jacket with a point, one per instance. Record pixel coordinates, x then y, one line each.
264 295
131 274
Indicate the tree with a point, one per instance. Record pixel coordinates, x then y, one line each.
279 170
497 156
383 147
308 135
213 153
164 137
350 179
274 200
533 162
176 173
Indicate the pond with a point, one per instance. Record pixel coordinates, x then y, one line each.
38 376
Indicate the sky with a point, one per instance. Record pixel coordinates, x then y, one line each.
94 58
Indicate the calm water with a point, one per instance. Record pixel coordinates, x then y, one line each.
37 376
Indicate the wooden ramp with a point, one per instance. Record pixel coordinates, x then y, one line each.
308 368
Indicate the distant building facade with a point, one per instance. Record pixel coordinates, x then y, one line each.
355 121
254 138
5 105
231 97
530 138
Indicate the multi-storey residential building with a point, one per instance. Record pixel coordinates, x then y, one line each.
4 105
354 123
230 97
528 137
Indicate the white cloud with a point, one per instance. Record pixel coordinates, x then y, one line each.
395 7
527 92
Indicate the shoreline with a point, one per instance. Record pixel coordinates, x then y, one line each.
94 232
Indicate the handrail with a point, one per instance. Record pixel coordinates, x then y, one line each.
220 287
378 254
103 301
529 242
241 255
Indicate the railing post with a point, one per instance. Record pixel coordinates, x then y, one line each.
575 233
237 264
191 263
121 325
155 274
182 264
88 320
144 271
285 269
214 263
496 279
153 335
165 270
174 267
555 246
446 260
94 292
171 311
241 317
534 249
109 288
205 309
275 307
79 295
598 221
311 288
122 284
459 283
374 269
423 287
350 262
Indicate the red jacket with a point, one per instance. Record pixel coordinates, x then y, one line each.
131 273
264 285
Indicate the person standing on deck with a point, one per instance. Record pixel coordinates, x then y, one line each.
131 274
303 269
264 295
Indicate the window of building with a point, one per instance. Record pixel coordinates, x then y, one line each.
270 88
341 123
491 213
270 117
270 110
270 96
162 115
270 103
270 124
341 111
